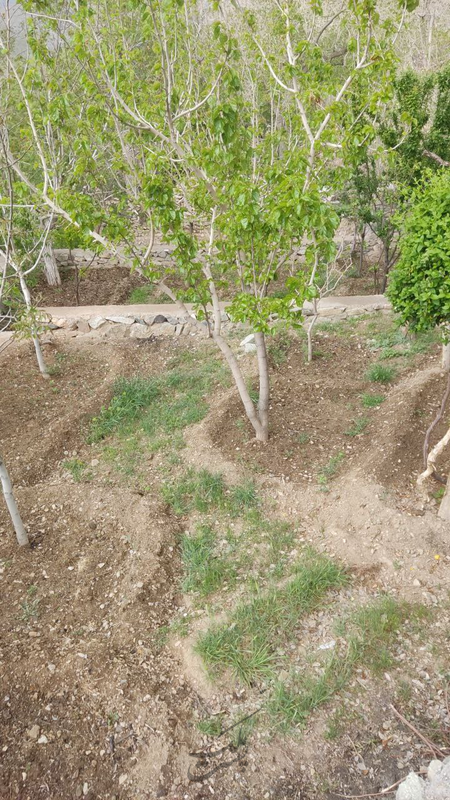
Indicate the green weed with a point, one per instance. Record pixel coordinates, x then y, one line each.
358 427
329 470
159 404
247 644
211 726
78 469
370 634
204 571
372 400
378 373
204 491
147 294
278 348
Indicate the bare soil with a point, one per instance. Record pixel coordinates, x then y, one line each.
95 702
102 286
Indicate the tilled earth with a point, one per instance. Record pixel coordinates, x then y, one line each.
96 700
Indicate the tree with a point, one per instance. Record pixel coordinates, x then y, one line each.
22 536
420 283
179 125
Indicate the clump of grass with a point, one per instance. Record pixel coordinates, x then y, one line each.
372 400
78 469
211 726
196 490
147 294
247 644
329 470
358 427
130 396
166 403
204 570
30 605
370 634
379 373
204 491
278 348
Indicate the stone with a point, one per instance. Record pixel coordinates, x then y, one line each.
148 319
96 322
249 347
434 767
47 338
140 331
121 320
83 326
412 788
33 732
179 330
166 329
158 319
122 779
248 339
42 740
173 320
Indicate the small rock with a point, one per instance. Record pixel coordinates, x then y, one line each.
249 348
95 462
248 339
33 732
121 320
83 326
159 319
140 331
51 667
122 779
85 789
412 788
434 768
42 740
97 322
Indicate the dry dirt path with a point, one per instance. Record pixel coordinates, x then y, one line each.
351 304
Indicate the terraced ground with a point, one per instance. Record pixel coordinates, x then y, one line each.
203 616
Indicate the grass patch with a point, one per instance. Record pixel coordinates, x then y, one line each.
329 470
204 491
278 348
204 570
78 469
211 726
147 294
162 404
379 373
395 343
370 635
372 400
247 644
358 427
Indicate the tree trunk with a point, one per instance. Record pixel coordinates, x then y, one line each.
446 357
35 338
261 432
444 508
264 385
310 329
22 536
51 271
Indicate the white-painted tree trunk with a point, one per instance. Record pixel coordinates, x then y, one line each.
51 270
433 457
36 342
264 385
444 508
21 534
446 357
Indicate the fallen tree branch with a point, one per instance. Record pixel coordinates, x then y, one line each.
383 793
436 750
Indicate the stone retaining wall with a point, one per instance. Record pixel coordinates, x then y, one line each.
142 323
